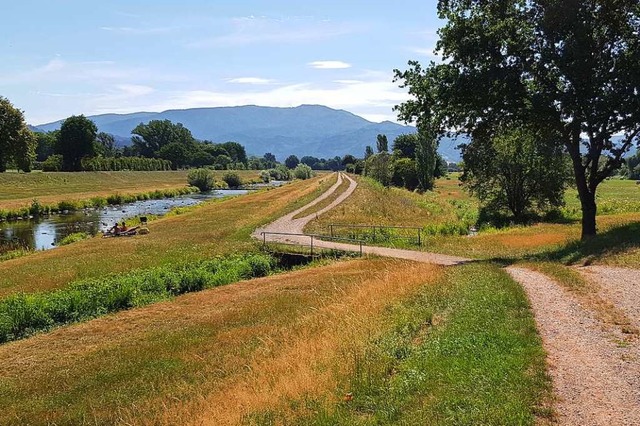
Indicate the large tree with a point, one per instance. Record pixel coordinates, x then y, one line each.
76 141
517 170
17 142
148 139
569 67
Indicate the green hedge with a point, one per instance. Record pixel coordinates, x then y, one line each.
24 314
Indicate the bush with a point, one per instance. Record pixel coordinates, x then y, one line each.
302 171
232 179
72 238
265 176
202 179
280 173
53 163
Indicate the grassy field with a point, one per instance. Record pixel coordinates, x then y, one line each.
19 189
216 228
449 211
410 342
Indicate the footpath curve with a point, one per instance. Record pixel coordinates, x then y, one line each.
287 224
596 380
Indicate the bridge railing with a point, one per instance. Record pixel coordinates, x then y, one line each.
312 239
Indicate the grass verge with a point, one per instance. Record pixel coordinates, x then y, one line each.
464 351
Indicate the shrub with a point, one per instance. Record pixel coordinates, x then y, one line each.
202 179
265 176
72 238
302 171
280 173
232 179
53 163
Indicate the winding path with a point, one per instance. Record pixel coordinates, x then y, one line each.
596 378
287 224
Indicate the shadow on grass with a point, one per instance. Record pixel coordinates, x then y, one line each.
611 242
617 240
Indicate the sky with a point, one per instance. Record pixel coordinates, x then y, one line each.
65 57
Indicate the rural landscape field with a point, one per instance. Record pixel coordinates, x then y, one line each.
311 233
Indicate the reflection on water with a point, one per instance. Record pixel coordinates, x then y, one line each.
45 232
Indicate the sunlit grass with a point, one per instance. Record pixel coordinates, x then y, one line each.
210 357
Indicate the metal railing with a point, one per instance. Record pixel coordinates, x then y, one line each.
313 237
380 228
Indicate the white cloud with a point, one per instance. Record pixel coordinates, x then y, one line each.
329 65
250 80
134 89
264 30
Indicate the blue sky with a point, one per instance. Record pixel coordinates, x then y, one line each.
59 58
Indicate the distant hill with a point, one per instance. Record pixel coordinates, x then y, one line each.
305 130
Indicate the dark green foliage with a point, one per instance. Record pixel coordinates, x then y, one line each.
426 158
232 179
106 145
517 171
17 143
404 174
123 163
53 163
368 152
235 151
292 162
25 314
202 179
404 146
382 143
380 168
46 145
148 139
76 141
633 167
179 154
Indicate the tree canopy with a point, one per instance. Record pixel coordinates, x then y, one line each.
17 142
148 139
76 140
568 67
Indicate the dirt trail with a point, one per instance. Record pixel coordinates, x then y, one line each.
287 224
596 377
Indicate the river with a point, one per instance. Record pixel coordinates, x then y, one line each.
45 232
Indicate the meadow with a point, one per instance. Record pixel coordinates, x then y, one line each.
20 189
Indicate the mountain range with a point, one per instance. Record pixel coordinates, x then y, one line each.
313 130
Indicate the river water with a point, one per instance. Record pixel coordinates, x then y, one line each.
43 233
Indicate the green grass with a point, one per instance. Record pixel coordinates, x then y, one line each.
464 351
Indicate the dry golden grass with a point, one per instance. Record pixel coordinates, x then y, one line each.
372 204
209 357
214 228
19 189
324 203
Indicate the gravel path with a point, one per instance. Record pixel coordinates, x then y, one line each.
287 224
596 379
619 285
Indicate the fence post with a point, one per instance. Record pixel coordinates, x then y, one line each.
360 248
331 230
374 234
311 245
264 239
419 237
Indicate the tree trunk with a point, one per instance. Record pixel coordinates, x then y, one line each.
586 195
